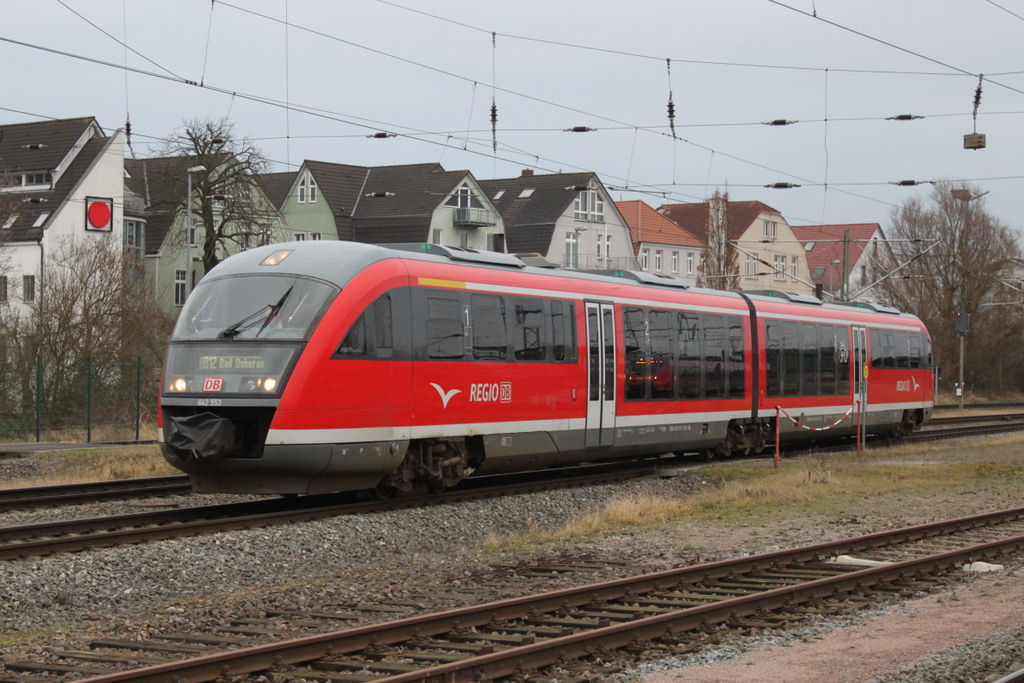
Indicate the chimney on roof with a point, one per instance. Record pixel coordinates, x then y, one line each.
527 172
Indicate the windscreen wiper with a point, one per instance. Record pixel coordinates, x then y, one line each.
270 311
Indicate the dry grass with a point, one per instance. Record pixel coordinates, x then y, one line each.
95 464
810 485
123 432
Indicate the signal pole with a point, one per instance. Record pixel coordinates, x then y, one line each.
962 321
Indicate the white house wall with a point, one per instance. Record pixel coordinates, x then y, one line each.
614 226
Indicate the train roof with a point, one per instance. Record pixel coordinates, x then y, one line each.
338 262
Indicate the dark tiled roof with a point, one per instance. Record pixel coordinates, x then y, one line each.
647 225
694 217
24 228
57 136
277 185
408 195
530 221
827 246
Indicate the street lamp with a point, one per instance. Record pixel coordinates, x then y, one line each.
189 227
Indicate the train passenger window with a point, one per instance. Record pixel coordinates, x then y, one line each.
737 366
809 359
842 360
888 348
594 343
790 359
354 343
773 357
661 369
444 328
915 350
688 354
489 332
902 350
634 330
563 327
877 357
608 321
384 338
714 357
529 342
827 351
926 352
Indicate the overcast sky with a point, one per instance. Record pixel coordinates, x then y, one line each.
315 86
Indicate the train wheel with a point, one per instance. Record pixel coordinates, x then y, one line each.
383 491
435 486
707 454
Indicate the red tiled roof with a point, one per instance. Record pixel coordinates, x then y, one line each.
827 246
647 225
694 217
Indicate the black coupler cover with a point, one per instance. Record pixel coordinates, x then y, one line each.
202 437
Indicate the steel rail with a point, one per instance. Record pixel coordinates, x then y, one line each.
88 492
560 649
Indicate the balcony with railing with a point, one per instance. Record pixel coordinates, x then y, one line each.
465 217
595 262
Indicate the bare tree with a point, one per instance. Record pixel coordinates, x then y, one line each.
962 272
229 208
719 262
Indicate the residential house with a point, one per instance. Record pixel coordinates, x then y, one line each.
174 237
566 218
839 255
60 182
769 254
661 246
387 204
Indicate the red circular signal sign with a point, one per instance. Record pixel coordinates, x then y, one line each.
99 214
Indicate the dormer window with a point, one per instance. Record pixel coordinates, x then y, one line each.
307 188
589 206
463 198
771 229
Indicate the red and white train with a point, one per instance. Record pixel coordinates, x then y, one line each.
324 366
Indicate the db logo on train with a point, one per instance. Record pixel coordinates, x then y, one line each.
213 384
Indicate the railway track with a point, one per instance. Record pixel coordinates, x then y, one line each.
568 633
90 492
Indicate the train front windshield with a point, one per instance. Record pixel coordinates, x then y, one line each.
255 307
241 335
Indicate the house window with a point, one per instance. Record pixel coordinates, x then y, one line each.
302 190
572 249
312 189
645 259
750 266
689 263
179 287
38 179
589 206
499 194
463 198
771 229
527 193
192 234
28 288
3 289
675 261
300 237
134 238
779 267
793 260
437 239
10 221
657 260
316 235
464 238
41 219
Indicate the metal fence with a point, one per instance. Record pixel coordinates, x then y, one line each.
94 398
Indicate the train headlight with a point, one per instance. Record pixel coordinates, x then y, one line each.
270 384
179 385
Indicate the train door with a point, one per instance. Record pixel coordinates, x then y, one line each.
600 375
860 378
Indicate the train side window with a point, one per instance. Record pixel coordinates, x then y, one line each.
529 341
790 359
662 367
827 351
608 323
563 328
444 328
354 343
383 325
737 360
926 353
634 331
594 342
888 348
489 331
842 360
773 357
688 353
877 357
809 359
915 350
902 350
714 357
